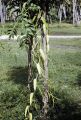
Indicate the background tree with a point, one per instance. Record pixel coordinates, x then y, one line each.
2 11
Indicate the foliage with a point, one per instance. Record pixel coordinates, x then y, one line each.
28 33
53 14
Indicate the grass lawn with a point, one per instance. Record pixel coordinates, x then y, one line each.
54 29
64 29
5 27
64 74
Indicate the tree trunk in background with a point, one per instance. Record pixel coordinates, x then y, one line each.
75 13
60 14
2 12
62 10
80 13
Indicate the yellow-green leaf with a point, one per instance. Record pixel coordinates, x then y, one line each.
38 68
42 53
35 83
30 116
34 18
44 28
44 21
24 5
47 39
31 98
26 110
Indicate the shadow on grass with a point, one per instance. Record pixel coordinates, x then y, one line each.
62 110
20 75
65 111
79 79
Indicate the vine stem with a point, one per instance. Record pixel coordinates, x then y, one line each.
45 97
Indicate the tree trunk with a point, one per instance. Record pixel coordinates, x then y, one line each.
75 13
2 12
64 11
60 15
45 97
30 63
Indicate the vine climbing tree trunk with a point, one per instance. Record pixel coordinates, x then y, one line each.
44 47
30 61
45 97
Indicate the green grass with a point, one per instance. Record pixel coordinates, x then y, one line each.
64 29
64 74
5 27
65 63
67 42
13 92
54 29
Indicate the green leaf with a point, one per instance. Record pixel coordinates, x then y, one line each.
31 98
47 39
27 110
42 54
35 83
44 29
44 22
38 68
24 5
30 116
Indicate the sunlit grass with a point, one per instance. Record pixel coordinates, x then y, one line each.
66 42
64 29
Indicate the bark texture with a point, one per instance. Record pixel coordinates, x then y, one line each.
45 97
75 13
2 12
30 63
